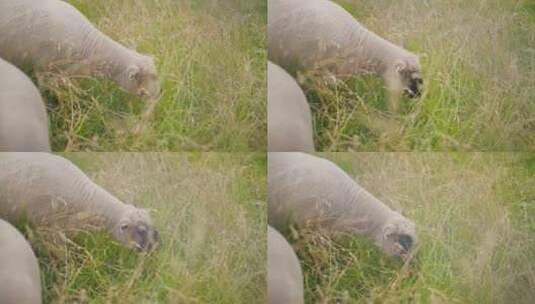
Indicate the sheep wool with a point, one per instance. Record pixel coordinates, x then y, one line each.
20 282
23 118
289 117
285 278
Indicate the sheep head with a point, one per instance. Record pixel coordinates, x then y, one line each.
141 78
398 237
135 230
408 71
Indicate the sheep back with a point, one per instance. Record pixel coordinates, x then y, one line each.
304 189
46 188
320 34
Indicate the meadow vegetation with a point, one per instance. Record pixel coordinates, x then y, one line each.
211 59
210 211
475 218
478 62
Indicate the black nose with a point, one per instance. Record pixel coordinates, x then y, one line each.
414 90
141 238
405 241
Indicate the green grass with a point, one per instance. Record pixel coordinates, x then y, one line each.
475 218
211 61
479 68
210 211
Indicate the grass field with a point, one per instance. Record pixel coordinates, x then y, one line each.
210 212
475 218
478 61
211 59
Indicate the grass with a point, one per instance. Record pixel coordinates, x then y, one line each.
479 70
475 217
210 211
211 59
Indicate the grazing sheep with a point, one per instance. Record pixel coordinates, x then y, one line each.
52 34
319 34
42 188
289 118
20 282
285 279
308 190
23 119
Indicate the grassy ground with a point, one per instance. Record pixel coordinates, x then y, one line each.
479 68
475 216
211 60
210 211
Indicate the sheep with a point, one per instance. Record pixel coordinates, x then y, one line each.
20 281
47 189
306 190
320 35
52 34
289 117
285 278
23 118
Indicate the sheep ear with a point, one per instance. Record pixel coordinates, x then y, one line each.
133 72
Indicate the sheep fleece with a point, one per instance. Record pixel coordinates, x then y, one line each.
285 278
23 118
306 189
42 186
42 33
310 34
20 282
289 118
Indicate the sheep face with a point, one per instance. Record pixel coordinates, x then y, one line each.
408 70
141 79
135 230
398 237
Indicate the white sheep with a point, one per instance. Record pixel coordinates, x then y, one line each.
289 118
321 35
20 282
310 191
44 189
52 34
23 118
285 278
